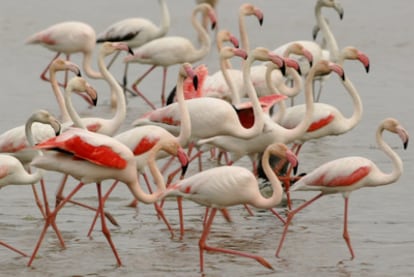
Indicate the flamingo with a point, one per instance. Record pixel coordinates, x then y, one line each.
226 186
68 37
273 132
171 50
347 174
14 166
91 158
135 31
328 120
144 140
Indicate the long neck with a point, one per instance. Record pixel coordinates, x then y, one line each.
396 160
120 113
34 177
356 116
327 34
204 38
185 130
243 33
266 203
86 64
29 178
301 128
235 97
77 121
59 97
273 90
291 91
141 195
165 19
251 92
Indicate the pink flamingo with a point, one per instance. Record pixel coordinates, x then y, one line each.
68 37
97 157
171 50
144 140
13 166
135 31
327 120
348 174
226 186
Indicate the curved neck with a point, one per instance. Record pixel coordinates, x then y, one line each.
77 121
251 92
243 33
276 198
202 34
356 116
86 64
297 84
120 113
34 177
273 90
165 19
235 97
141 195
328 36
396 160
302 127
59 97
185 129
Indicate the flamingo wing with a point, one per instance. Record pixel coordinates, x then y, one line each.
85 145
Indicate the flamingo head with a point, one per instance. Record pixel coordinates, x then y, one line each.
392 125
332 4
83 88
279 61
45 117
110 47
228 52
60 65
225 35
352 53
324 67
188 71
210 13
249 9
293 64
283 152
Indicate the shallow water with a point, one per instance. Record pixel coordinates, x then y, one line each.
380 221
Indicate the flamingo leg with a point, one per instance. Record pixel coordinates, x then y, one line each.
278 216
345 233
38 202
137 92
43 74
13 249
290 217
204 247
98 211
50 220
164 81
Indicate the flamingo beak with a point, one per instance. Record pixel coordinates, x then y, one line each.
293 160
183 158
364 60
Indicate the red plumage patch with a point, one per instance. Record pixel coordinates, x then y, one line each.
100 155
321 123
144 145
347 180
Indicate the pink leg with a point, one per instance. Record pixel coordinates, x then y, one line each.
345 233
289 219
43 74
105 229
203 246
50 220
278 216
38 202
135 89
164 80
13 249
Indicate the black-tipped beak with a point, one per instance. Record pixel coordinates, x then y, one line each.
343 77
283 69
130 51
183 170
213 26
261 21
367 69
295 169
79 74
310 63
94 101
195 82
406 144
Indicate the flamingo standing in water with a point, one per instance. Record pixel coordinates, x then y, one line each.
13 166
135 31
171 50
226 186
91 158
68 37
348 174
144 140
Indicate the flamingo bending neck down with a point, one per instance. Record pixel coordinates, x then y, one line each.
68 37
347 174
225 186
171 50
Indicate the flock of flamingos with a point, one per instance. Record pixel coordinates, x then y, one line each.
229 114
